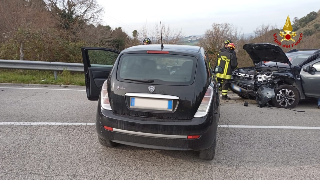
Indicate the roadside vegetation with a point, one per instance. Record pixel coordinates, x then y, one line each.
55 30
41 77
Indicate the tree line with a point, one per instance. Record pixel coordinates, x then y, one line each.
55 30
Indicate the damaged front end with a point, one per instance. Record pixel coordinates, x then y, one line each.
262 82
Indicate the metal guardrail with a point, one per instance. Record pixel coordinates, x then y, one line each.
41 65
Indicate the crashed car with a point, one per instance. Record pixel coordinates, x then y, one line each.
282 81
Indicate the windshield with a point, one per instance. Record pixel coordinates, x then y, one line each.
157 68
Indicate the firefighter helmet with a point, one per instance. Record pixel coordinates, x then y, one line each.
146 41
231 46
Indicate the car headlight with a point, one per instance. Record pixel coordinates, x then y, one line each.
105 103
205 103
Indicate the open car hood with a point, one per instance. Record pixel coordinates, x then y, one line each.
266 52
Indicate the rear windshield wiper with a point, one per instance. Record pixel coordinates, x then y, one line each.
142 80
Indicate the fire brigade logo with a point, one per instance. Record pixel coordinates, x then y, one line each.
287 35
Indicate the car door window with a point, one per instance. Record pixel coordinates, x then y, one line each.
101 58
317 66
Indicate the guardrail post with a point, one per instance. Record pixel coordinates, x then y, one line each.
55 75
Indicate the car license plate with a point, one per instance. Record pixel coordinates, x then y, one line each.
150 103
237 88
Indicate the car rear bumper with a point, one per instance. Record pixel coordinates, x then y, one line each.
158 135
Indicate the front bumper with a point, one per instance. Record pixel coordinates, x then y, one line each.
167 135
240 90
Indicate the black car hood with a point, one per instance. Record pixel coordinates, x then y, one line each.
266 52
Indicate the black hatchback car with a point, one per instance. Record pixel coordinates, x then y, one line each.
153 97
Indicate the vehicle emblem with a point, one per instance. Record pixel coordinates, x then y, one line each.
151 88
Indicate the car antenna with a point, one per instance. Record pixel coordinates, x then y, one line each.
161 37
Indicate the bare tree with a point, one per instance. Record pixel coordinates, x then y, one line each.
19 14
214 38
169 36
264 34
19 18
72 15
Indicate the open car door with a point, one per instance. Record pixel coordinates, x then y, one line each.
98 63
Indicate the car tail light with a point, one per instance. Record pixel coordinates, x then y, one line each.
193 137
205 103
105 103
108 128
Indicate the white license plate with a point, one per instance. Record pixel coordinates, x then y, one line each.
237 88
150 103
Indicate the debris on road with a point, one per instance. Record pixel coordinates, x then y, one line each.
245 103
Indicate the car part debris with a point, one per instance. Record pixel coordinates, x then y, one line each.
264 95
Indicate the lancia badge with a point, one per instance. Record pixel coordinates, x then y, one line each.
151 88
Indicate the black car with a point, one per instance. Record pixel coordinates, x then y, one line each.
282 81
154 97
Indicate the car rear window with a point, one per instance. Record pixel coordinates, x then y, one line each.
160 68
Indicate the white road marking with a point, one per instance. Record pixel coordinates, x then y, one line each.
268 127
44 124
42 89
92 124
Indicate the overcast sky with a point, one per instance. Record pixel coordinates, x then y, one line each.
195 17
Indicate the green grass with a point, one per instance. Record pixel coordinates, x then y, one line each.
41 77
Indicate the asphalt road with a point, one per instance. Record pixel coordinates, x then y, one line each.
253 142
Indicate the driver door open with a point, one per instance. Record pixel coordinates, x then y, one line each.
98 63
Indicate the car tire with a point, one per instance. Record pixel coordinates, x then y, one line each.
286 96
208 154
107 143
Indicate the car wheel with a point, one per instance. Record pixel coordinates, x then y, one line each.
286 96
107 143
208 154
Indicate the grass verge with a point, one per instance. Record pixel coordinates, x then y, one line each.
41 77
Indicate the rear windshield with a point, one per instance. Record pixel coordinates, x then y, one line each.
157 68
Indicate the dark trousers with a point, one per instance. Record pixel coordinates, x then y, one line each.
225 84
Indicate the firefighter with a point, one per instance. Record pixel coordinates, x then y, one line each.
146 41
227 60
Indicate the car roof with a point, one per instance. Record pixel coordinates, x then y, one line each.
304 52
166 47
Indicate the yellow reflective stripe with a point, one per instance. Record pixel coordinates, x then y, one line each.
224 90
226 67
224 93
219 61
223 76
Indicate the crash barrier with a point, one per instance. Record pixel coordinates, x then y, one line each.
41 65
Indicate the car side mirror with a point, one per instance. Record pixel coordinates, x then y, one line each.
306 69
310 70
217 69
